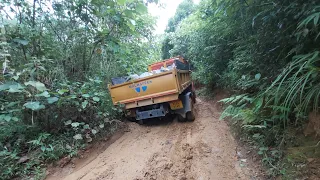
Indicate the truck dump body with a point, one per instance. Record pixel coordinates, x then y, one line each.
155 89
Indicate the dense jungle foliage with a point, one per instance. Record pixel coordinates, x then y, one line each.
57 58
266 52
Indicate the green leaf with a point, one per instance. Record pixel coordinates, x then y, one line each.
263 148
96 2
86 126
75 124
84 104
15 119
96 99
101 126
7 118
68 122
15 88
128 13
43 148
62 91
42 68
34 106
11 104
52 100
38 85
130 25
11 85
141 8
15 77
21 41
44 94
283 171
133 22
85 95
257 76
94 131
77 137
121 2
316 19
4 87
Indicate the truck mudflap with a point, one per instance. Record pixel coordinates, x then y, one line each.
153 113
187 107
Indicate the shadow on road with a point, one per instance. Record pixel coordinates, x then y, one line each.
164 121
159 121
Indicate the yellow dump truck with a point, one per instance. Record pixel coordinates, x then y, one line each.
168 91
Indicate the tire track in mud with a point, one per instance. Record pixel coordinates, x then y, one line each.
174 160
199 150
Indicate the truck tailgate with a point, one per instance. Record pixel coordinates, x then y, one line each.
149 90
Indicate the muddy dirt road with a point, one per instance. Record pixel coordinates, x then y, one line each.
200 150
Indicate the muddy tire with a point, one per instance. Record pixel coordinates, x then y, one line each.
141 122
131 119
180 118
190 116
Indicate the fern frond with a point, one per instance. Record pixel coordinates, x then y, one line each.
230 111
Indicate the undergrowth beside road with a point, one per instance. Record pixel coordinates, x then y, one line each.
285 151
54 124
205 92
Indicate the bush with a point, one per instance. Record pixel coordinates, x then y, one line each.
52 123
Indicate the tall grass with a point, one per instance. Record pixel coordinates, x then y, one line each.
297 88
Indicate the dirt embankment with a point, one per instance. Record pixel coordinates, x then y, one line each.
202 150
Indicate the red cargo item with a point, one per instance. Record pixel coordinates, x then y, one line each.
165 63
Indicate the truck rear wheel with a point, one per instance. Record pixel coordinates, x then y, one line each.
131 119
141 122
181 119
190 116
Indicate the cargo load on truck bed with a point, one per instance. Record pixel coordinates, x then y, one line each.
156 68
161 90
